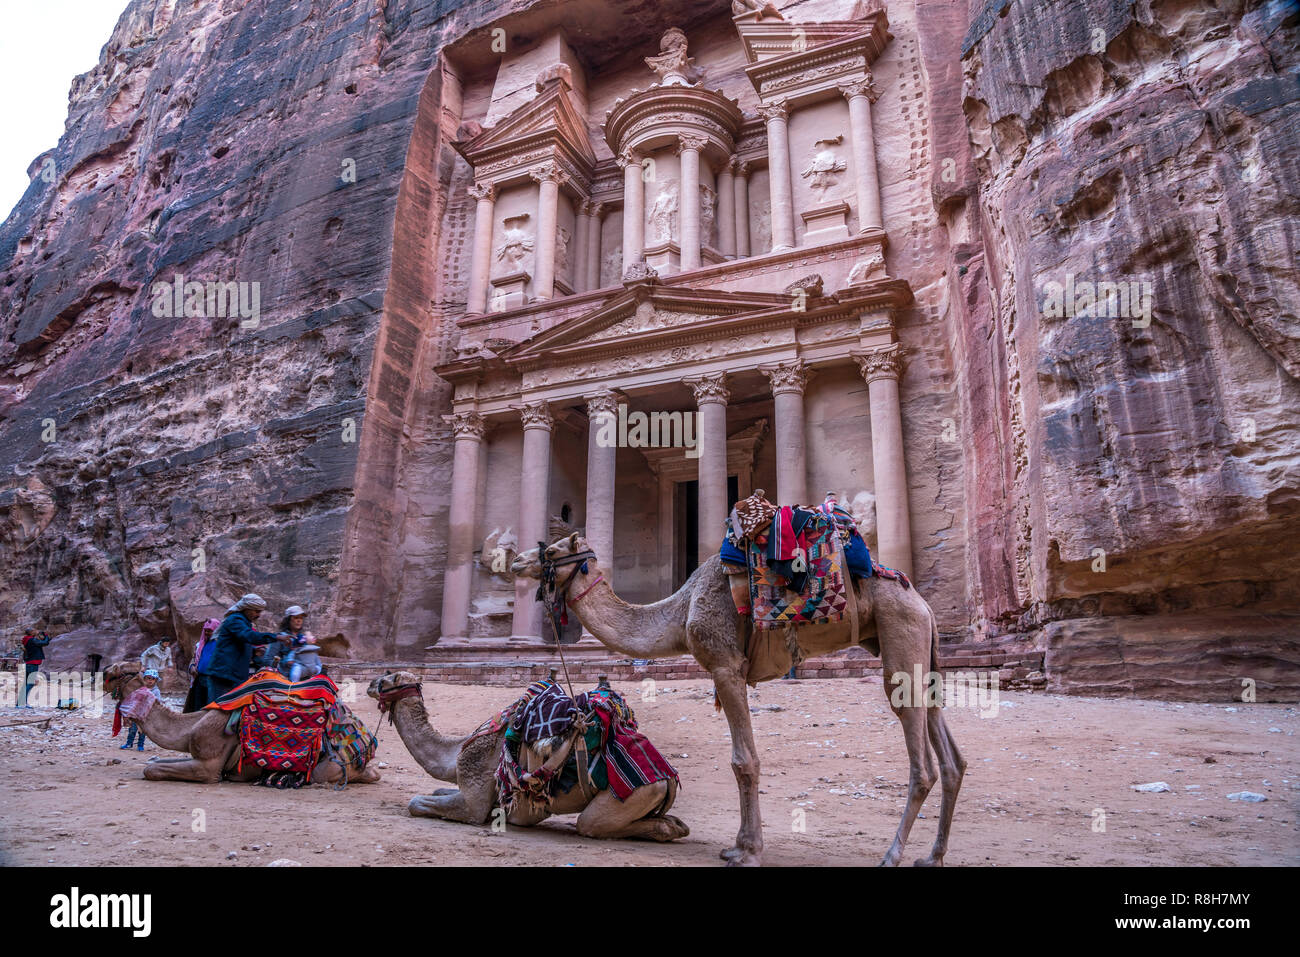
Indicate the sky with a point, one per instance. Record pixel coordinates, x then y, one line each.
43 46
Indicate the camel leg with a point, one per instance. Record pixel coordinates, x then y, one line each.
183 769
921 776
952 767
734 697
608 817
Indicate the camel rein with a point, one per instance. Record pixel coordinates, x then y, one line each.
548 592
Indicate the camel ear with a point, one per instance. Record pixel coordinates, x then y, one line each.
573 542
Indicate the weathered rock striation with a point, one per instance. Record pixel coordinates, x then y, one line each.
1118 483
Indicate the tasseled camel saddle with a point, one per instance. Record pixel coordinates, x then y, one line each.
789 566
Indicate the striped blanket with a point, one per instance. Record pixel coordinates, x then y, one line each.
278 688
624 757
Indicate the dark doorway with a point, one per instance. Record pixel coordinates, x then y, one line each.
688 525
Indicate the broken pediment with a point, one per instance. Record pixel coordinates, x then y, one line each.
548 124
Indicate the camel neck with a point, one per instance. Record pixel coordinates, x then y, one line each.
169 729
434 752
638 631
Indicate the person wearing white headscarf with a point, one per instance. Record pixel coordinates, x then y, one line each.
235 641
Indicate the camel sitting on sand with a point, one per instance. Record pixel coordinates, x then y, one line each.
700 619
471 761
201 734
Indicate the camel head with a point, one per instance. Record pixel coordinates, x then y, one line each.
390 682
122 678
527 564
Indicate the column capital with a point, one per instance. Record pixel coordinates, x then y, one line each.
741 168
730 165
688 142
592 208
537 415
468 425
484 191
787 376
777 110
710 388
883 363
866 86
627 157
602 403
551 172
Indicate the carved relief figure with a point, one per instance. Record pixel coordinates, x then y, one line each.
672 64
870 267
765 10
562 237
517 244
826 167
708 203
663 213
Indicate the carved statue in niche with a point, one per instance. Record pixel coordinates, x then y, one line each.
740 7
663 213
672 64
825 167
562 252
707 207
517 245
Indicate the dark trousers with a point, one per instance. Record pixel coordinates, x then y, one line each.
27 684
198 695
217 687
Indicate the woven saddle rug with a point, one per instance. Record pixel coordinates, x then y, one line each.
282 735
824 598
318 689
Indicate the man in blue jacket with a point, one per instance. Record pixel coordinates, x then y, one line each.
235 640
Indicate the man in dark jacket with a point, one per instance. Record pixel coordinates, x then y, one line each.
235 640
33 655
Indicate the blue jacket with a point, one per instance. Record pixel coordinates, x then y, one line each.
234 641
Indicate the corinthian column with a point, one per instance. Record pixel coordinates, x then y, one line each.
468 427
549 176
602 452
742 208
476 297
881 368
581 237
711 397
861 94
788 381
689 151
727 210
534 499
633 209
778 173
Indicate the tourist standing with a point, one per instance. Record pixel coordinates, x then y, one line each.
197 699
158 656
33 654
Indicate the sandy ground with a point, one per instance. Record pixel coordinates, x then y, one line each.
1042 774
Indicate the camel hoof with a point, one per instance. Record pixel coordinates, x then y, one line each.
745 859
930 861
730 853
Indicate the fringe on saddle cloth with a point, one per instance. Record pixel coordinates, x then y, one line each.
619 758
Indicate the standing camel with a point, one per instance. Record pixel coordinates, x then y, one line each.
201 735
471 761
700 619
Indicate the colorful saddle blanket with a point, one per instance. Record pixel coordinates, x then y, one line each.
279 688
349 738
823 598
620 758
282 736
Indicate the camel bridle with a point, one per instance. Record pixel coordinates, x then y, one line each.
388 698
